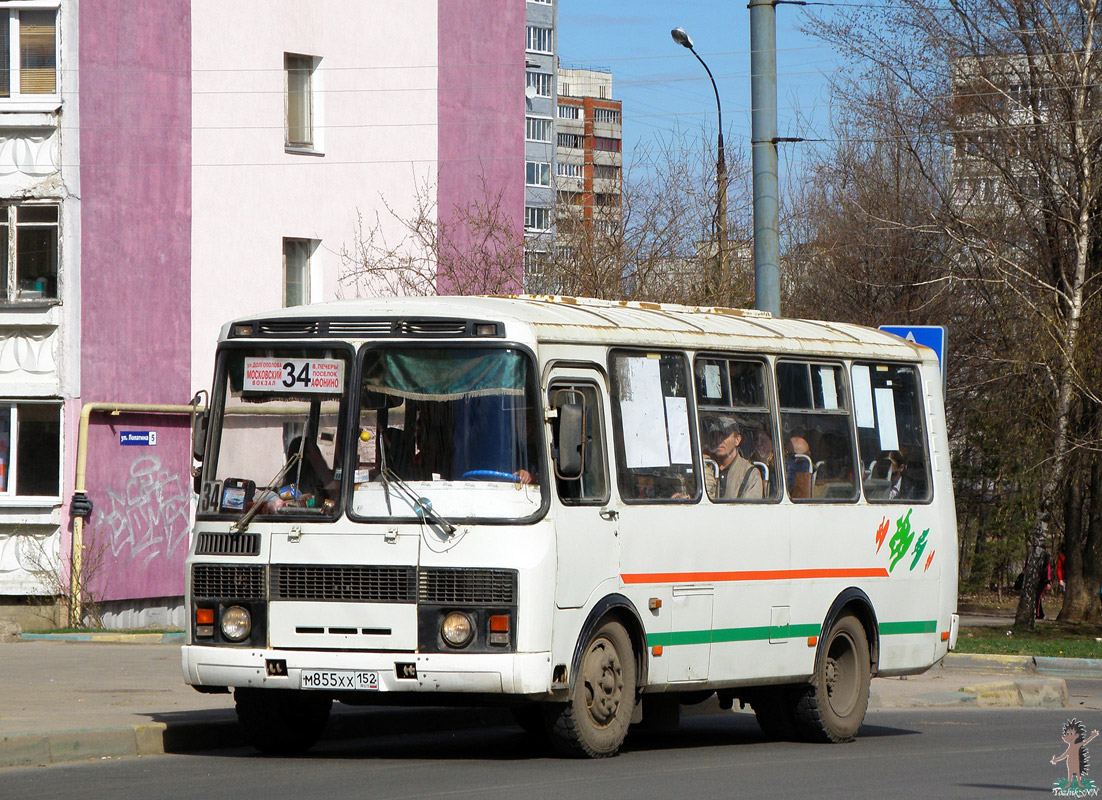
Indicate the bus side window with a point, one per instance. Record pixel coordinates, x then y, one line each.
591 488
736 430
652 426
895 458
816 432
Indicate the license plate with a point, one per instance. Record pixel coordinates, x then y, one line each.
347 680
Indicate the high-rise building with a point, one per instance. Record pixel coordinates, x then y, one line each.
539 127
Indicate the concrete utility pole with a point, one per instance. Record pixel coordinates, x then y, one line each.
763 139
715 281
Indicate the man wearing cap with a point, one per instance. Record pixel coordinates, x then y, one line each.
738 478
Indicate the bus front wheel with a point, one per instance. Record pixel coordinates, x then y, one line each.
833 707
281 721
595 720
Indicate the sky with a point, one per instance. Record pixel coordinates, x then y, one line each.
664 88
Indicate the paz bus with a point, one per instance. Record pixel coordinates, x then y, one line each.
590 511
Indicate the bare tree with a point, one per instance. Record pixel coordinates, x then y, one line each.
1008 89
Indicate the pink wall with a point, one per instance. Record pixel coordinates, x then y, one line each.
481 111
135 254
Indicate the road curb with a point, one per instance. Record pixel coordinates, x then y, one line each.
1051 665
187 736
106 638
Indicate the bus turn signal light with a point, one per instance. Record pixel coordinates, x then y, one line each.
812 641
499 629
204 616
945 636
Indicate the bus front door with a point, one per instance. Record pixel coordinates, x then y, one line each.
587 527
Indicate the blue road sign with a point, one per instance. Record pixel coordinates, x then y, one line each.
138 438
932 336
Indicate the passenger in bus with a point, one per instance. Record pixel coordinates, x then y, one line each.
798 467
900 485
738 478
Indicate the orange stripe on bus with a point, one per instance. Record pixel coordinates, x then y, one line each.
754 575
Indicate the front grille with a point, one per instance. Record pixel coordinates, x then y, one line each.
467 586
359 328
347 583
238 581
292 328
431 327
228 544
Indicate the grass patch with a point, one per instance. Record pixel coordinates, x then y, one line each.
1055 640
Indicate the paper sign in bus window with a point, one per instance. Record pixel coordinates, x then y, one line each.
713 386
885 412
644 435
830 388
294 375
862 397
677 421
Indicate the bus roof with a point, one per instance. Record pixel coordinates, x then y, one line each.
581 320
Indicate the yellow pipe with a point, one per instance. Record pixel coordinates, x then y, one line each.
76 610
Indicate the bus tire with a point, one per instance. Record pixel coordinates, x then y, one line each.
775 711
595 719
833 707
282 721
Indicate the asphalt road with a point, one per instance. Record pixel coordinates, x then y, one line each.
914 754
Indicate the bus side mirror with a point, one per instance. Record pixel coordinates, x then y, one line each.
199 435
571 440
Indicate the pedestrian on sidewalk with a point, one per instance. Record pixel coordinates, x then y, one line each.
1044 580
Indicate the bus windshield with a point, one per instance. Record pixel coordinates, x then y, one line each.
276 434
458 427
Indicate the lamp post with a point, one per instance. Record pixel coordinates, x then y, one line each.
715 281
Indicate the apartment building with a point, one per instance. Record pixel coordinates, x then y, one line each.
539 126
165 167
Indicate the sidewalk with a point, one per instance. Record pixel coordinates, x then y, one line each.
69 701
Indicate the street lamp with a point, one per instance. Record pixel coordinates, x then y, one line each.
713 285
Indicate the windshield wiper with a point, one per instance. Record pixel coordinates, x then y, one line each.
271 489
422 506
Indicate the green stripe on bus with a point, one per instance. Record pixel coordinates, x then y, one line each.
721 635
916 626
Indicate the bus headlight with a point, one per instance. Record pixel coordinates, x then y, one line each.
457 629
236 623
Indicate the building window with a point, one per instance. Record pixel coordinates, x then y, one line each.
28 52
606 144
296 271
30 450
537 173
565 169
300 101
570 140
539 39
537 129
537 219
569 112
540 81
28 251
606 115
606 171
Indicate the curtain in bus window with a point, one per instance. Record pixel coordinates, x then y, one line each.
445 374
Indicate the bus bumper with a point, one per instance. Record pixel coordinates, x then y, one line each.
507 673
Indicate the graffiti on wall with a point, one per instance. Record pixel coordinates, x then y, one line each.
148 517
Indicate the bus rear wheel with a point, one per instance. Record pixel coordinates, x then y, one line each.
595 720
281 721
833 707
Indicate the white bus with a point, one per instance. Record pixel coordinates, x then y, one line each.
590 511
